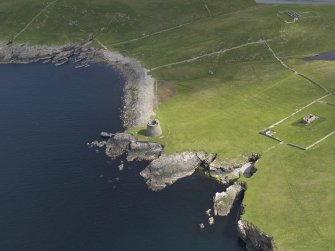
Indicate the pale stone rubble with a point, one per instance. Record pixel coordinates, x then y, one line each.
139 95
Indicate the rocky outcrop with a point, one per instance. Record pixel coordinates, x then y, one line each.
215 168
166 170
118 144
224 201
124 143
144 151
255 239
247 170
26 53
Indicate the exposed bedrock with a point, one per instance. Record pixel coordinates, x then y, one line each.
118 144
223 202
255 239
144 151
124 143
26 53
225 174
167 169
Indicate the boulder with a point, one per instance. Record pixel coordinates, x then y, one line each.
211 221
167 169
120 167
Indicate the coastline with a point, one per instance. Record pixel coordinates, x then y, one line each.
138 94
138 103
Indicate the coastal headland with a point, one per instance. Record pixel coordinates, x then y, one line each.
234 69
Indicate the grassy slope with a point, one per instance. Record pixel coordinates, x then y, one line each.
291 195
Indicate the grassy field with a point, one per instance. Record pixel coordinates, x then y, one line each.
292 197
222 101
295 132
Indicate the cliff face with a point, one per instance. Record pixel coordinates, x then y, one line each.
224 201
255 239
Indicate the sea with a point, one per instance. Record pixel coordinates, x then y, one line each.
327 56
57 194
296 1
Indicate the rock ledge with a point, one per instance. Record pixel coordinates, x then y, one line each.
255 239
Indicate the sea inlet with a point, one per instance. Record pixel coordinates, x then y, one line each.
59 195
296 1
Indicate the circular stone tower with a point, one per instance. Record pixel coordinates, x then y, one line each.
153 128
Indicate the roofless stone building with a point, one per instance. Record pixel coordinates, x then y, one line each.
153 128
309 119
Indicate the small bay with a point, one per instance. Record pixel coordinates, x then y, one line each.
296 1
59 195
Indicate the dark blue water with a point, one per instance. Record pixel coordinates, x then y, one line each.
296 1
330 56
58 195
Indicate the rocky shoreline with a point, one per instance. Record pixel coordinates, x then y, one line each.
255 239
138 93
165 170
138 107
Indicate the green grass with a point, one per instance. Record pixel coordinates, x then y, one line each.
290 197
294 131
236 104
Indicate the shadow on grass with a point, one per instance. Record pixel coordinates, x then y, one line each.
300 123
142 132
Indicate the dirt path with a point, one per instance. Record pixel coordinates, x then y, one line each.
153 34
293 70
101 44
206 55
33 19
207 8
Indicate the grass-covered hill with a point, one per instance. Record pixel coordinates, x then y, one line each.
233 69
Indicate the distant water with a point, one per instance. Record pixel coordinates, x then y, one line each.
58 195
296 1
330 56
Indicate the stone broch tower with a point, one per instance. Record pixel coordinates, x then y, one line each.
153 128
